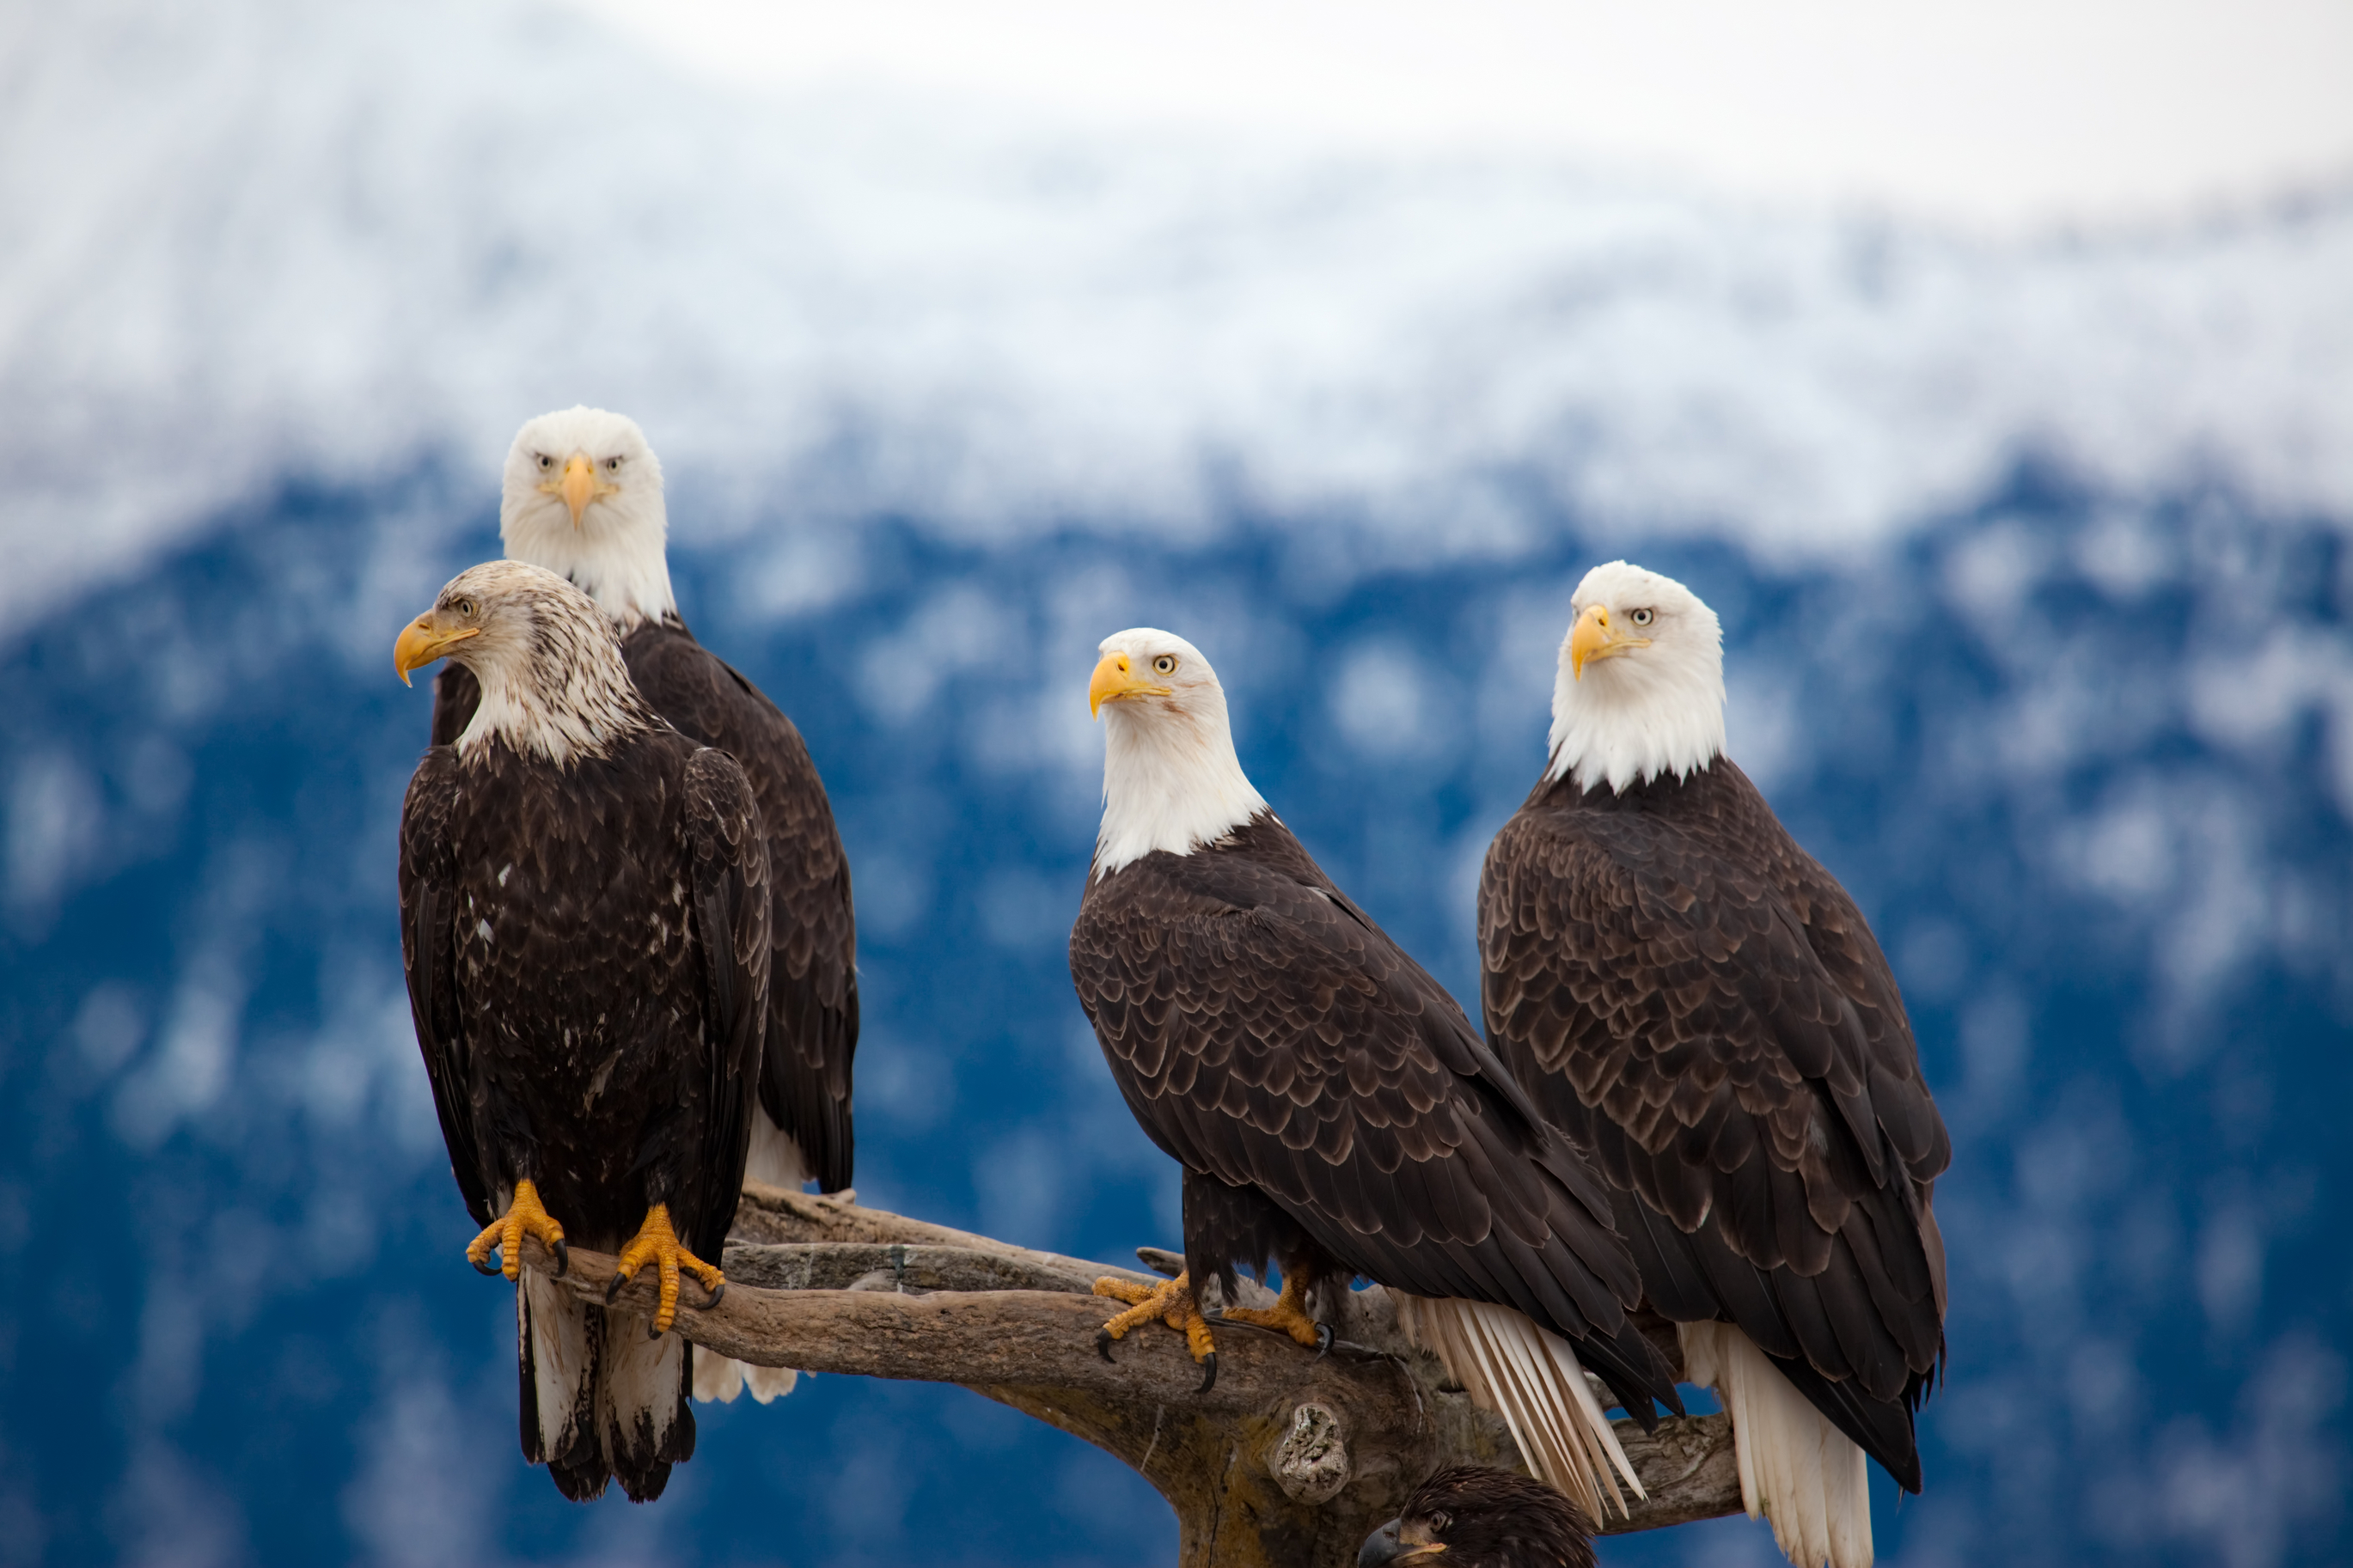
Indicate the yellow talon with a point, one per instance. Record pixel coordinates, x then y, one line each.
1173 1304
1288 1314
658 1244
525 1216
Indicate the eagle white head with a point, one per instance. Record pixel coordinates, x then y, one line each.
554 684
582 497
1171 780
1639 691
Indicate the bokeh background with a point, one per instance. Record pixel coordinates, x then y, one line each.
1989 370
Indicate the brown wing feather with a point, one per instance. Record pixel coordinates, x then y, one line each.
805 1080
428 903
1693 998
732 939
1268 1035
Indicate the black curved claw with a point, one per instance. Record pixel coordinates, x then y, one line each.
718 1294
563 1259
613 1292
1209 1373
1103 1345
652 1332
485 1267
1324 1337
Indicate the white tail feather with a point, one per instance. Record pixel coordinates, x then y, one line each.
563 1356
719 1379
770 1384
773 1158
1797 1469
639 1396
1530 1378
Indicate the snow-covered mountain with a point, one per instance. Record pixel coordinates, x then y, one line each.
2033 565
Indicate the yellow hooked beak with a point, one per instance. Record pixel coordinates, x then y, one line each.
1594 638
425 640
578 485
1114 682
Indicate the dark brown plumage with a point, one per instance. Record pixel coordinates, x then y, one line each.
1693 999
1466 1517
1332 1108
587 945
805 1078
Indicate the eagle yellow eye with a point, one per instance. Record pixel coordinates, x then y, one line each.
612 465
1641 617
464 606
545 461
1165 664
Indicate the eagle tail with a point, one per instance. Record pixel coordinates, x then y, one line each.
641 1404
1797 1469
557 1346
719 1379
1530 1378
774 1155
773 1158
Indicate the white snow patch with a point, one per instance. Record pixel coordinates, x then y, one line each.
261 238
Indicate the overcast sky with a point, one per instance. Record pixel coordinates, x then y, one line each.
1997 112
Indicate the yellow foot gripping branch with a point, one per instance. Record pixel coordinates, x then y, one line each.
1174 1305
658 1244
525 1216
1289 1315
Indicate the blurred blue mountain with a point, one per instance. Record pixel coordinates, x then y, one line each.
2035 561
2085 761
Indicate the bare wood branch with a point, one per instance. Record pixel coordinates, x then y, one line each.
1289 1459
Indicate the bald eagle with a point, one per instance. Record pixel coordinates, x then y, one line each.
1466 1517
1693 998
584 910
582 495
1333 1108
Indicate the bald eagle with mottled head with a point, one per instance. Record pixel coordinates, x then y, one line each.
583 920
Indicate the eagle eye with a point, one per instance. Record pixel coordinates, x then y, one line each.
545 461
463 606
1165 664
612 465
1439 1520
1641 617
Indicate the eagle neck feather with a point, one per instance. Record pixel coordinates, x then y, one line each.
621 561
1631 721
563 695
1171 781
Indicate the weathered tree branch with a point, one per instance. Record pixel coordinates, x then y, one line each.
1289 1461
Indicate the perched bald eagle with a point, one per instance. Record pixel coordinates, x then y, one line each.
583 497
1466 1517
1693 999
584 916
1333 1108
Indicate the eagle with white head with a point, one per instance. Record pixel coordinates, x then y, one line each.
1695 1000
1334 1110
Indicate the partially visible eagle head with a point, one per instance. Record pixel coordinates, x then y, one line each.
1640 687
1171 780
1466 1517
583 497
554 684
